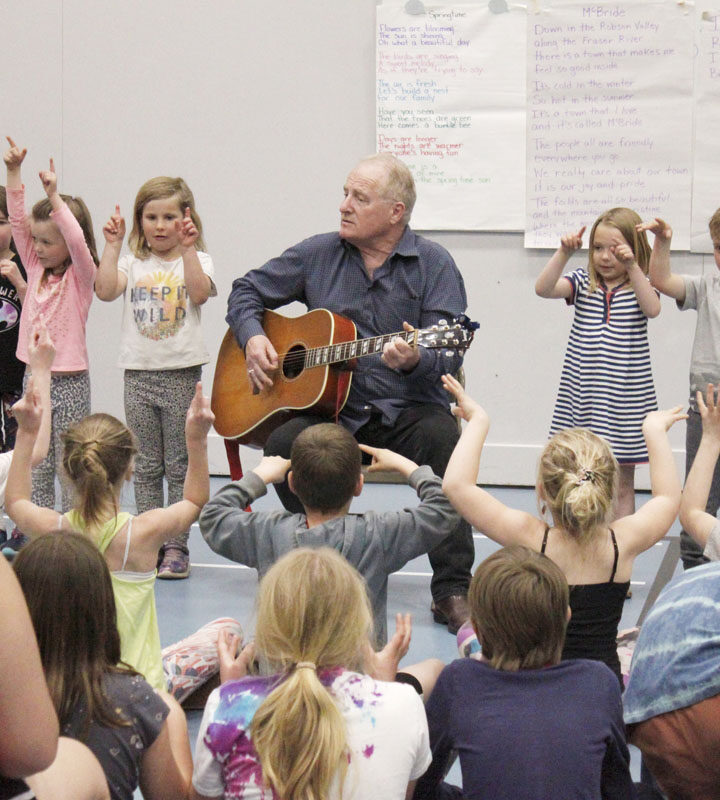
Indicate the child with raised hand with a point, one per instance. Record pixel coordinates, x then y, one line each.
577 480
37 391
12 295
701 525
606 384
325 474
98 457
165 281
524 724
701 293
57 247
317 726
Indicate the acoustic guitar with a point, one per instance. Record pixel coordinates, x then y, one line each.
317 352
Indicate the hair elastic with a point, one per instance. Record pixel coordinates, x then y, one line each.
585 475
305 665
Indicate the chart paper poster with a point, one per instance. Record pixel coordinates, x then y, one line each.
706 186
609 115
451 105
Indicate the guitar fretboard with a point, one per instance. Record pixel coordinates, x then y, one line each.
345 351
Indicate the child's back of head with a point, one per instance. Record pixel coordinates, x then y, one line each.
97 454
325 461
519 608
577 478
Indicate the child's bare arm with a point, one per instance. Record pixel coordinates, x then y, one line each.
486 513
109 282
645 294
661 276
41 355
550 282
197 283
653 520
30 519
384 459
693 517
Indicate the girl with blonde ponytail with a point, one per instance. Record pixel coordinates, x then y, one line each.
317 728
577 483
98 457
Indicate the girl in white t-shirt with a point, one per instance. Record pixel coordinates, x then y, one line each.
165 281
318 725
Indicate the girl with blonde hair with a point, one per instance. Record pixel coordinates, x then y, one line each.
606 383
98 457
316 728
57 248
577 479
165 281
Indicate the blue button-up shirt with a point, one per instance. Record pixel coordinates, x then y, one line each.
419 283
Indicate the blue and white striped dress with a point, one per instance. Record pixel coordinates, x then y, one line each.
606 383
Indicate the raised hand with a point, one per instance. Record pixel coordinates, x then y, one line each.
571 242
466 407
186 230
28 409
623 253
114 228
664 419
49 179
199 417
14 157
383 665
272 469
233 664
384 459
41 351
709 409
658 226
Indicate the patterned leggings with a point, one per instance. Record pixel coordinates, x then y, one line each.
156 402
70 402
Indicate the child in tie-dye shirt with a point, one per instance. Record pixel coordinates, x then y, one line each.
343 733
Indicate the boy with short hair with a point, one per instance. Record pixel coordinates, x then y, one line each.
702 293
524 724
325 474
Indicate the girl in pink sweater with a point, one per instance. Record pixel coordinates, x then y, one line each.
57 247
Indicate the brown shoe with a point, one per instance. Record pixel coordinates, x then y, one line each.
452 611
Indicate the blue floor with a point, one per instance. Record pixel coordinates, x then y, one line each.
218 587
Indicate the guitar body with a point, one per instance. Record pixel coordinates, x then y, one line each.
323 390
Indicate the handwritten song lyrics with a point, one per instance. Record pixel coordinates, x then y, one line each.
450 89
706 196
609 115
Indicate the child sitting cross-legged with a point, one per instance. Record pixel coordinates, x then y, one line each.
525 724
325 474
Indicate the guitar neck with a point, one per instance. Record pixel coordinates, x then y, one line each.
346 351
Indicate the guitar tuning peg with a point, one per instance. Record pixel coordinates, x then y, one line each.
442 322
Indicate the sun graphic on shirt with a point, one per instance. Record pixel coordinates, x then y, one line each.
159 304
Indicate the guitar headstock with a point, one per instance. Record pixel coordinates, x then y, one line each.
457 335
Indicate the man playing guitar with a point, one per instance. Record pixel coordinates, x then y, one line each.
384 277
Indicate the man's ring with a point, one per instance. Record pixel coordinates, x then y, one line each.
251 372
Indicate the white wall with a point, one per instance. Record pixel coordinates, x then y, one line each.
263 108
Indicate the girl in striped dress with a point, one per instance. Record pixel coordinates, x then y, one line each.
606 383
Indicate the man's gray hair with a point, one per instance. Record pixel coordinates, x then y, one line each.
399 183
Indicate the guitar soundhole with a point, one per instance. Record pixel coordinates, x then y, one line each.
294 362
